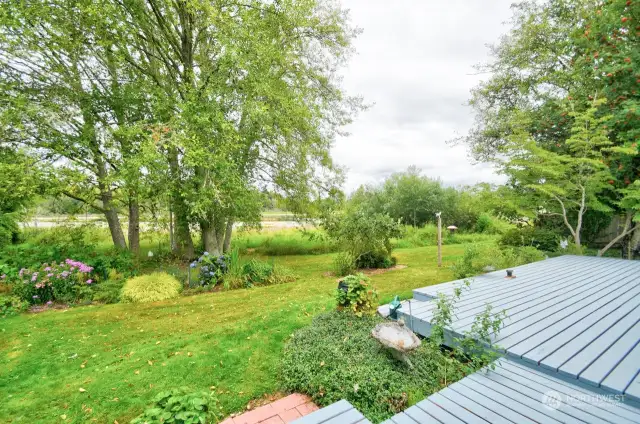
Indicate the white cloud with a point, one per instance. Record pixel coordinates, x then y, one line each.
415 63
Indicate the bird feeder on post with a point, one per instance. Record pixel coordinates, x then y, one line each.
452 229
438 215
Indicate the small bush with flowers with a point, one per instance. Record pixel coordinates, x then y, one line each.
356 293
68 281
212 268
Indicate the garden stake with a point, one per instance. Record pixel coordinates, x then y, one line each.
410 317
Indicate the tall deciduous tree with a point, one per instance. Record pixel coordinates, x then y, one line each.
235 96
250 96
562 50
68 99
570 176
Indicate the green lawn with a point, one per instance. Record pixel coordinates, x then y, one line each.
122 355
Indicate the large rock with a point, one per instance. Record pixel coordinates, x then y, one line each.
399 339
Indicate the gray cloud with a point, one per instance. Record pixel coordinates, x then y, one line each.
415 63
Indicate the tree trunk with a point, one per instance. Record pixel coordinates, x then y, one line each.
210 237
628 229
111 214
182 237
182 234
172 243
134 225
227 236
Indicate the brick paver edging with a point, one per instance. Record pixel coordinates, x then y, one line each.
281 411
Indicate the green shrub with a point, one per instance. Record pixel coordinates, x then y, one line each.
539 238
12 305
212 268
255 273
336 358
343 264
151 288
467 266
32 255
362 233
358 295
484 223
108 291
179 406
374 260
70 281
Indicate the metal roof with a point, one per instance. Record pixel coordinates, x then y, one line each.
341 412
578 316
517 393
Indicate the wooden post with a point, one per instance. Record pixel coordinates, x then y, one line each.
171 236
439 239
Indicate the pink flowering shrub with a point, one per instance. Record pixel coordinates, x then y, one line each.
68 281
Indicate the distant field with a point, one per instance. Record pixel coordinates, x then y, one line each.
270 219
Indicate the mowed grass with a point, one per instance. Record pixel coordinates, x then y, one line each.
106 363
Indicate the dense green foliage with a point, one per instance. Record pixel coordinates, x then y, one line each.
179 406
343 264
69 281
365 236
413 199
565 85
60 243
539 238
19 182
151 288
356 294
476 260
336 358
11 305
184 104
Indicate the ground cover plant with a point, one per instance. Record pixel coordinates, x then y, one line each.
336 358
179 406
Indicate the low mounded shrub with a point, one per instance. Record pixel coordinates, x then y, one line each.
67 281
151 288
212 268
12 305
374 260
336 358
179 406
357 294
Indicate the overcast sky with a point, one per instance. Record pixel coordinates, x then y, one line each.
414 62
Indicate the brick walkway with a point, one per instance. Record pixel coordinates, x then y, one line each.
281 411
